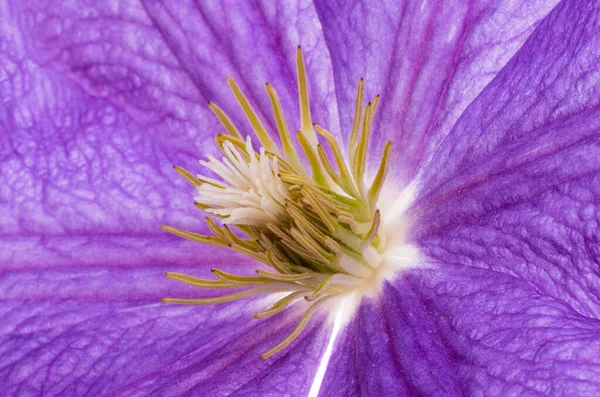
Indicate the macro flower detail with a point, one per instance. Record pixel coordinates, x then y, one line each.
492 110
319 229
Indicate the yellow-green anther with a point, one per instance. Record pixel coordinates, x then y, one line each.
320 290
252 117
361 150
347 184
191 179
214 301
234 239
280 305
276 264
301 325
373 194
303 223
373 110
199 238
292 179
305 120
293 245
276 231
372 232
220 139
214 228
199 282
225 120
283 267
303 252
202 207
237 280
311 245
284 277
327 165
286 140
357 117
318 174
259 256
327 219
344 205
212 182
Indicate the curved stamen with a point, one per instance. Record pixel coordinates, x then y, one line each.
301 325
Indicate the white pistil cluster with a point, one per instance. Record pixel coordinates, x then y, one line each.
318 229
253 195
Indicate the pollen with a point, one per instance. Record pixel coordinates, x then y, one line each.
310 217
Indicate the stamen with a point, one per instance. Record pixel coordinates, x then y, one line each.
187 176
317 228
320 290
373 194
237 280
199 238
327 165
305 121
259 129
225 121
297 331
198 282
288 148
326 218
361 150
317 168
357 116
284 277
346 179
370 235
216 300
374 104
280 305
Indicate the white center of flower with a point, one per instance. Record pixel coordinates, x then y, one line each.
318 228
253 193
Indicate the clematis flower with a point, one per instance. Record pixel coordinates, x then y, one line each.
491 109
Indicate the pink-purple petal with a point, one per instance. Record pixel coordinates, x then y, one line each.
514 187
456 330
508 217
100 102
74 164
162 61
102 331
550 82
231 367
428 60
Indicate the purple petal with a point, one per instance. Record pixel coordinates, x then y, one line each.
162 61
508 215
551 79
514 187
428 60
102 101
458 330
99 330
88 142
75 164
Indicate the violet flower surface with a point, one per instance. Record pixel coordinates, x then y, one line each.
492 108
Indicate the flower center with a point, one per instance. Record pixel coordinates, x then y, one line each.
317 227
